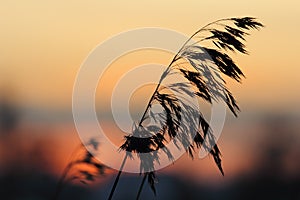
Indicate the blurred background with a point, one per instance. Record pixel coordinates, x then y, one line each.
43 44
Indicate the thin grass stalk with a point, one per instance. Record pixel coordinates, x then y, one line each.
141 187
117 178
140 123
60 184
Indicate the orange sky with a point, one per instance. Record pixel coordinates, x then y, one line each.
44 43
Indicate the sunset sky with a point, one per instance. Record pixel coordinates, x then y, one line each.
44 43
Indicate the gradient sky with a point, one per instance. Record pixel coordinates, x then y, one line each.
43 44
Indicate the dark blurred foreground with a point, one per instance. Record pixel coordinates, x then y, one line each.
23 185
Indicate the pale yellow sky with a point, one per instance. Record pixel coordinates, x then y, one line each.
43 43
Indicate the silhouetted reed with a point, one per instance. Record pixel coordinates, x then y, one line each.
201 67
74 169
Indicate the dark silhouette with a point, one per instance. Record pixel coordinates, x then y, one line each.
26 169
79 157
201 67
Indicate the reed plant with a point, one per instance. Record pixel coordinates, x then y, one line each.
204 61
